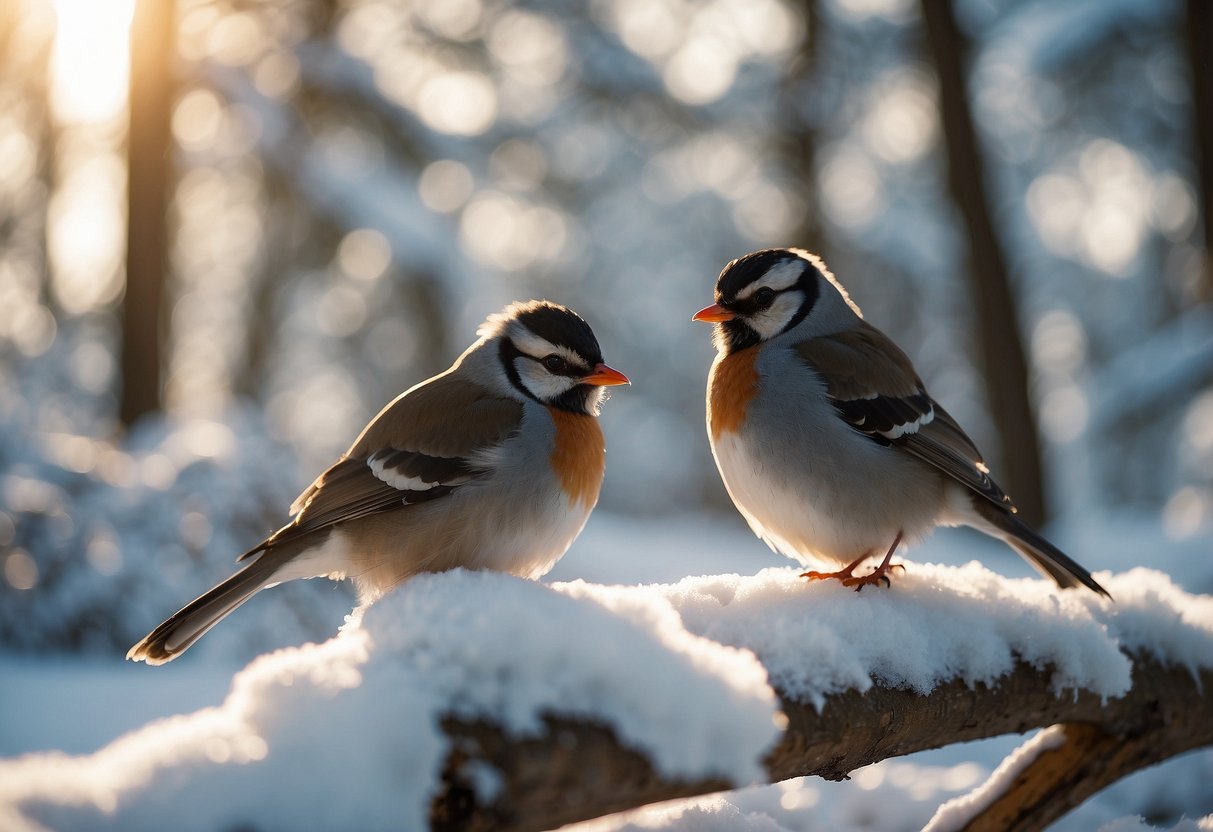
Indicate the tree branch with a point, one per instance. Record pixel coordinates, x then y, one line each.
576 771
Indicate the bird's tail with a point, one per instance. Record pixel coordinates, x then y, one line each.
191 622
1042 554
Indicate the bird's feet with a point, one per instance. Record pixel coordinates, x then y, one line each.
843 575
879 575
847 574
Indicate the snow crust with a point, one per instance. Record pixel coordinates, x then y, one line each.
349 728
683 672
940 623
957 812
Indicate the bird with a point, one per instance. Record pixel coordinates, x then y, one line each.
495 463
826 438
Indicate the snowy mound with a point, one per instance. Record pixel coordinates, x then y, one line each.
940 623
346 734
350 727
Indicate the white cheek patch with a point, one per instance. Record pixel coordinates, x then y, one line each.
396 479
539 382
770 322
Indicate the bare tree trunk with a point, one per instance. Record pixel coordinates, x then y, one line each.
1199 31
1002 360
144 322
799 141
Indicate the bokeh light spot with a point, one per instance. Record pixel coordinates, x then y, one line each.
20 570
445 186
364 254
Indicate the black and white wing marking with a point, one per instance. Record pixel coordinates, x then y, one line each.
873 386
425 445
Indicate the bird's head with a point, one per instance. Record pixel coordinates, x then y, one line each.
769 292
549 354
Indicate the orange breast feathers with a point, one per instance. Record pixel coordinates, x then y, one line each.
731 385
579 457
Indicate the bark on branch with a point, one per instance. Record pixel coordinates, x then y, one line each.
576 771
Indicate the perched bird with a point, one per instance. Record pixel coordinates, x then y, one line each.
827 440
495 463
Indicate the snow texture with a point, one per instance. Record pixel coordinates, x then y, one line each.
959 811
942 623
123 535
362 709
674 669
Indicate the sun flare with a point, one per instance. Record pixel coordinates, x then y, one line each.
91 62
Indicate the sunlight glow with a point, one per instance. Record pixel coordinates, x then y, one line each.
91 63
1186 514
1093 211
364 254
459 103
850 186
86 233
20 570
445 186
720 37
509 233
900 123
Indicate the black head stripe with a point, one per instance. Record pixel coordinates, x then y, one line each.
808 284
508 353
745 270
561 326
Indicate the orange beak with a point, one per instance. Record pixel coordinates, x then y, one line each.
604 376
714 314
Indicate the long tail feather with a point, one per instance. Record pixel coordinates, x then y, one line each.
1042 554
191 622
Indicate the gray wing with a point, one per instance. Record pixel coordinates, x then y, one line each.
874 388
425 445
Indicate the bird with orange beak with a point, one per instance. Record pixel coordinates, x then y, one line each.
494 464
826 438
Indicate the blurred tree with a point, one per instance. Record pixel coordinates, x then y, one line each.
802 109
25 60
996 322
1199 31
144 322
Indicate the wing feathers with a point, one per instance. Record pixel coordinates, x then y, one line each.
421 447
874 388
861 363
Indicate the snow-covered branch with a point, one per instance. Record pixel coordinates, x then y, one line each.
477 700
576 770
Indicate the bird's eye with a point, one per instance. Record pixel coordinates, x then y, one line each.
554 363
764 297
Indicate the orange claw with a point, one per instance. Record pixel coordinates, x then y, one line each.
878 575
847 575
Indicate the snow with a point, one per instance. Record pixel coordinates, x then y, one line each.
124 534
1090 95
479 645
674 669
957 812
941 623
